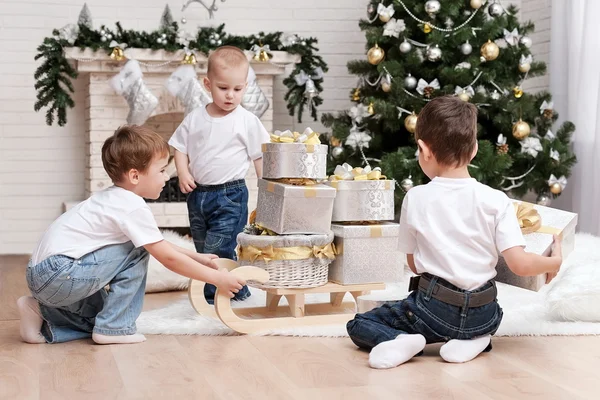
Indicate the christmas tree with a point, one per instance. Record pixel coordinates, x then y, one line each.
476 50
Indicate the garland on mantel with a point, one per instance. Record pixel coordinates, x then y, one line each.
53 76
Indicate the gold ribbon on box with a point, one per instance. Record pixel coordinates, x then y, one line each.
308 137
530 220
345 172
375 231
269 253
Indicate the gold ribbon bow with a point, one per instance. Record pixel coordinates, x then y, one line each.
530 220
266 254
346 173
307 137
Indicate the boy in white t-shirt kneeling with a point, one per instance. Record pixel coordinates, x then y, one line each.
106 240
213 149
452 230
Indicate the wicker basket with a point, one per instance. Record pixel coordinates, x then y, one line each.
292 273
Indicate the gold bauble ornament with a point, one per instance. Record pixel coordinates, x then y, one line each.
524 68
521 130
385 17
555 188
476 4
490 51
356 95
117 54
189 59
427 28
410 122
335 142
371 109
464 96
375 54
518 92
386 87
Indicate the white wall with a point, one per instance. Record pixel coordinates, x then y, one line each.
42 167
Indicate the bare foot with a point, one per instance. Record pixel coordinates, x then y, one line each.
31 320
120 339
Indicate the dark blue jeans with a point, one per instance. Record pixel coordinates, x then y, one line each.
421 314
218 213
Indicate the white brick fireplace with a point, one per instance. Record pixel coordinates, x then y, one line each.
106 111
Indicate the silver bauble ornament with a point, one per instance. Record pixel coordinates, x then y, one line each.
370 10
405 46
526 41
466 48
407 184
432 7
410 82
433 53
543 200
337 151
495 10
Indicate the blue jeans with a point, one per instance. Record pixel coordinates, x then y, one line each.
218 213
73 299
421 314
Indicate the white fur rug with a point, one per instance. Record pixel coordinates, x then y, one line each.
526 313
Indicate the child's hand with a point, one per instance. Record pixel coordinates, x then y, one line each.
229 283
207 259
186 183
557 254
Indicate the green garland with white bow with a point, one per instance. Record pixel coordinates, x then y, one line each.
53 77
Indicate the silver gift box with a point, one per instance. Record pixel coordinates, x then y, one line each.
294 160
541 243
368 200
367 254
289 209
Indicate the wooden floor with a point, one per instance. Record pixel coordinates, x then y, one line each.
244 367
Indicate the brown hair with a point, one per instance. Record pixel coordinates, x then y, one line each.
229 56
131 147
448 125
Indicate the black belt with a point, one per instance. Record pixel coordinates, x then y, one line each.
453 297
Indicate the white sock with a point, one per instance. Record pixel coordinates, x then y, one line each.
118 339
460 351
31 320
392 353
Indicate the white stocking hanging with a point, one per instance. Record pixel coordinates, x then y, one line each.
129 83
183 83
254 99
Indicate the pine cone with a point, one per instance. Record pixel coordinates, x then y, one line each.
503 149
428 91
548 113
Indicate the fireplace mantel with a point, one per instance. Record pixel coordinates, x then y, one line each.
105 111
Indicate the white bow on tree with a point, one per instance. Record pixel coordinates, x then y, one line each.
511 37
385 11
562 181
357 138
531 146
422 85
393 27
546 106
359 112
555 155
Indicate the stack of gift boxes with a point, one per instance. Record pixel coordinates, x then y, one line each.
295 197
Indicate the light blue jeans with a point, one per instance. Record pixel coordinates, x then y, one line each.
73 299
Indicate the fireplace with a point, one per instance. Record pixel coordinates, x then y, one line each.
106 111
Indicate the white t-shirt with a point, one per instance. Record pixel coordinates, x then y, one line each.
456 229
220 149
111 216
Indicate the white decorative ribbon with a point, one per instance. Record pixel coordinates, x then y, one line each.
114 43
393 27
562 181
69 33
257 49
422 84
525 59
291 138
359 112
357 138
387 11
347 173
512 38
555 155
501 140
531 146
462 65
302 77
546 106
468 90
549 135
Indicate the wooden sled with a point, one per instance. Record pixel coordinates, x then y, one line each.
272 315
